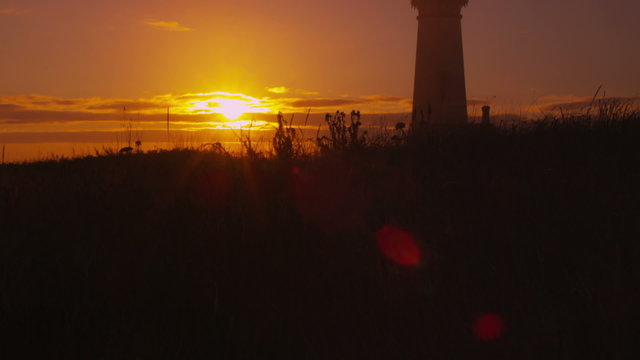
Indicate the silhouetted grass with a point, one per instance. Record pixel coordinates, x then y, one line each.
198 254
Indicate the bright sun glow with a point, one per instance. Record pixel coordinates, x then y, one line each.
231 106
232 109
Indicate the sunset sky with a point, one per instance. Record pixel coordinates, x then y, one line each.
81 62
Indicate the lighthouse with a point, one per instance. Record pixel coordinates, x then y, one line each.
439 95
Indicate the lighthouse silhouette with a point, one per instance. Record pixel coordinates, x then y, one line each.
439 95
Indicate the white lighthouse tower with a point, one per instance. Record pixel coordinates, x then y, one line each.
439 95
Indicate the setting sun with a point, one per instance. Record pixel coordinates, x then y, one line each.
231 106
232 109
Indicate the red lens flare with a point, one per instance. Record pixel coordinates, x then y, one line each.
398 245
488 327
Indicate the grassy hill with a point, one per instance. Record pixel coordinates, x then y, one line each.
192 254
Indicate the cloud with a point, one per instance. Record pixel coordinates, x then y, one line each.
278 90
128 105
42 116
570 103
55 102
306 92
379 104
36 102
190 107
9 107
23 117
286 90
382 98
167 25
42 109
13 11
51 103
206 96
323 103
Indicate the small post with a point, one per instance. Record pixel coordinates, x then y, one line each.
486 115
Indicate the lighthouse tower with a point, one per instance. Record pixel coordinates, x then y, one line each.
439 95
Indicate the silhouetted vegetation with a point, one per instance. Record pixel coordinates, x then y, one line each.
342 135
199 254
287 141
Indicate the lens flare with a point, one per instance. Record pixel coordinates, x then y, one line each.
398 245
488 327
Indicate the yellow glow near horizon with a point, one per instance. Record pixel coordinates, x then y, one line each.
231 106
244 124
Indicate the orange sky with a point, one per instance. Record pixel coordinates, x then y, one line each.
75 64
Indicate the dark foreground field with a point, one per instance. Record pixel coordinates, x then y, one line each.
528 249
